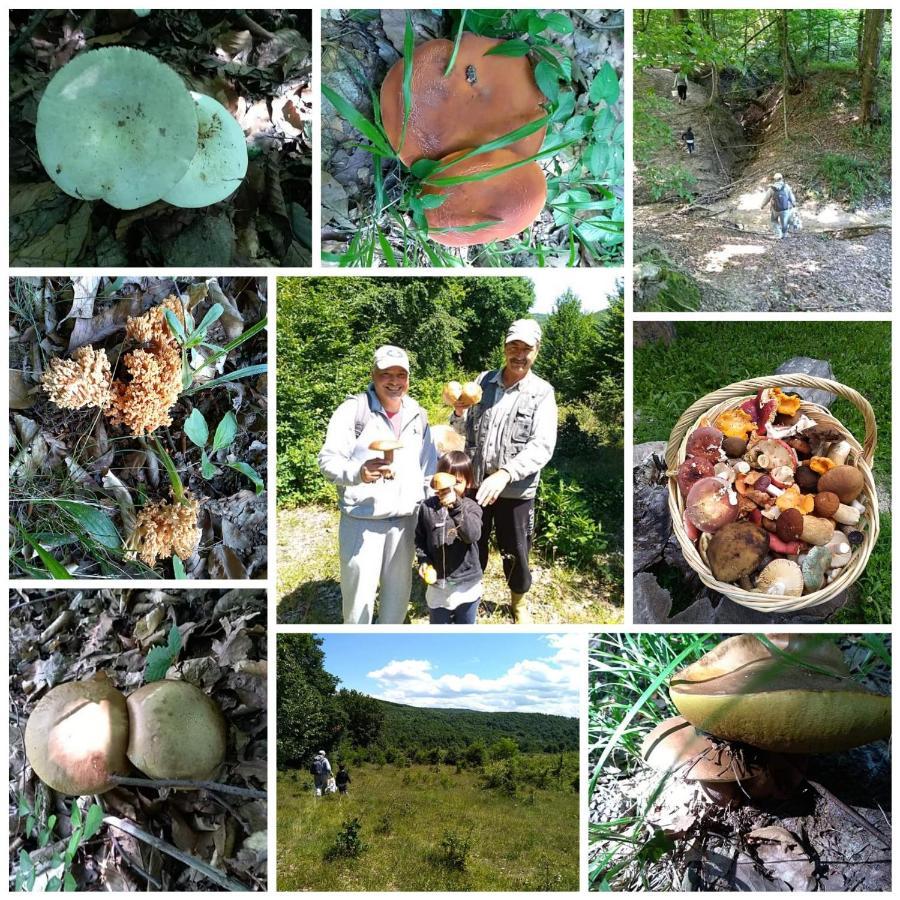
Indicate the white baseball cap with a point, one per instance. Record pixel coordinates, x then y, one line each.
526 330
388 356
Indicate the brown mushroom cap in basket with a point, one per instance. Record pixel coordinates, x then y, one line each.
775 703
706 409
483 98
511 200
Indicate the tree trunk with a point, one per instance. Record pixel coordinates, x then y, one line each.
869 58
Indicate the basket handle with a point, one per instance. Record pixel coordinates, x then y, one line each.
751 386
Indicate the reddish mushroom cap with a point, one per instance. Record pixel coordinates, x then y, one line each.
483 98
512 200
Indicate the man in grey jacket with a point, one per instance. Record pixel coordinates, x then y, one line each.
378 500
510 436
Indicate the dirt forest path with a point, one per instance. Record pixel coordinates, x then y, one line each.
839 261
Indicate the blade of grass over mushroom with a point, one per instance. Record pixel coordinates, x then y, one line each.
459 34
477 226
245 372
171 471
255 328
349 112
409 44
426 168
792 659
638 704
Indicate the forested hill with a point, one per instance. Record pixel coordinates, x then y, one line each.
428 727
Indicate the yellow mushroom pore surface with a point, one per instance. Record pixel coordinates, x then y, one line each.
789 710
176 731
76 737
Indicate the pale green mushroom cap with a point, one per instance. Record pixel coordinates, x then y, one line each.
220 164
117 125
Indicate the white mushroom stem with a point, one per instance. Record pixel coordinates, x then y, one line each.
846 515
774 491
743 467
839 452
772 512
857 505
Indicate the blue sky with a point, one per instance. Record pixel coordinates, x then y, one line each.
509 672
592 287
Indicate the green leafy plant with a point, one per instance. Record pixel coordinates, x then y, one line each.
455 848
347 844
197 429
670 182
59 868
159 659
581 180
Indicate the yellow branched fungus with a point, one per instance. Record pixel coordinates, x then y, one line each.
163 529
84 380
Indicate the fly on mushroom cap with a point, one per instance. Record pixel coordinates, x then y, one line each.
510 201
483 98
220 163
742 692
117 125
76 736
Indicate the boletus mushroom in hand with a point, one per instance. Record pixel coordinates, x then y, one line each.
387 447
502 205
802 702
176 731
483 98
77 735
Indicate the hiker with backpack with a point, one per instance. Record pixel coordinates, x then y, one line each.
379 490
783 201
510 436
321 772
688 138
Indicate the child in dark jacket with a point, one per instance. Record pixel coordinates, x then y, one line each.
342 779
447 536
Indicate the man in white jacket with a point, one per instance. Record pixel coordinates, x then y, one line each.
510 437
378 500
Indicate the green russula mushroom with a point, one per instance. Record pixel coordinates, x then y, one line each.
741 691
76 736
117 125
220 164
176 731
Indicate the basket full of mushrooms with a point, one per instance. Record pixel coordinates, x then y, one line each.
772 498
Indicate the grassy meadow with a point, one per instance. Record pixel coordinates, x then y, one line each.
431 828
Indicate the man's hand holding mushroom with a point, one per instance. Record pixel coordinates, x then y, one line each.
373 470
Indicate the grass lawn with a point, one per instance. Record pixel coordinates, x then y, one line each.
410 816
706 356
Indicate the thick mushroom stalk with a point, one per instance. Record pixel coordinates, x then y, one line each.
802 703
387 447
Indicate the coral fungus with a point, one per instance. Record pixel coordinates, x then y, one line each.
84 380
162 529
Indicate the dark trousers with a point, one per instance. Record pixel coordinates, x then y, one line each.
690 146
464 614
513 521
682 92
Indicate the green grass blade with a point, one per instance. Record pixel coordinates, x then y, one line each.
171 471
409 44
53 566
459 34
386 250
358 121
245 372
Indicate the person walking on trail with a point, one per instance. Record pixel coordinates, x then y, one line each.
783 201
688 138
379 453
447 535
681 86
321 772
510 436
342 779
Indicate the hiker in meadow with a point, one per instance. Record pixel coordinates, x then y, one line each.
321 772
688 138
681 86
379 453
342 779
447 536
783 215
510 436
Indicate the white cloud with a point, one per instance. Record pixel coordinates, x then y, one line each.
546 685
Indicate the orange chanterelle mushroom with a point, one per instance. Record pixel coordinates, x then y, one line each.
483 98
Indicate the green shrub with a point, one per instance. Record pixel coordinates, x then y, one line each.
849 178
567 526
650 133
670 182
347 844
455 848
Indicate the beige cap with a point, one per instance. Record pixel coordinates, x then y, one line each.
526 330
388 356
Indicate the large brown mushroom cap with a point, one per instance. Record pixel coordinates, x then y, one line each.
512 200
774 704
176 731
483 98
75 738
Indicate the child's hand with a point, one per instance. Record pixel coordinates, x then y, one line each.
428 573
448 497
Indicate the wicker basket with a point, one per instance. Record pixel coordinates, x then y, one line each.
709 408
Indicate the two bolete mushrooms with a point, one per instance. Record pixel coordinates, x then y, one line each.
748 711
118 125
483 98
83 733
